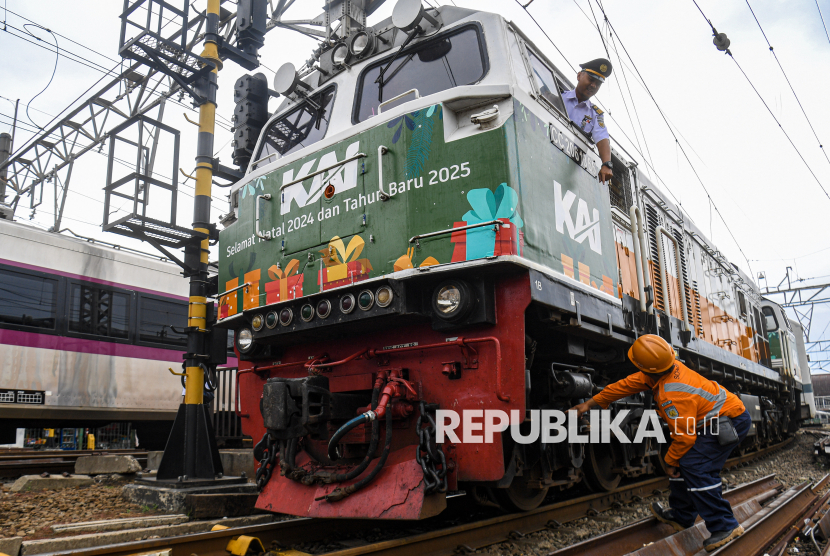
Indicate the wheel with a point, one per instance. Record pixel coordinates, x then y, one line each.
599 462
518 497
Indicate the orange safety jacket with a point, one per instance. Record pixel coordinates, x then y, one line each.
684 399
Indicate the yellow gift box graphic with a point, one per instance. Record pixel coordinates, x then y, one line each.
341 263
287 284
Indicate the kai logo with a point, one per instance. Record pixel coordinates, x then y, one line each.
585 226
342 177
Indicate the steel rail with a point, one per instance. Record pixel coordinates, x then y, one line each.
444 541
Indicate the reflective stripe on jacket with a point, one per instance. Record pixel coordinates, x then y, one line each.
683 398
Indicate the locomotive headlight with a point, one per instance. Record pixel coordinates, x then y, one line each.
384 296
256 322
361 44
244 340
339 54
452 300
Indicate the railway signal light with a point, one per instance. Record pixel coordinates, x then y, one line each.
251 96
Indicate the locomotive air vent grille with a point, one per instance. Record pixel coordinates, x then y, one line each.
653 221
697 319
678 235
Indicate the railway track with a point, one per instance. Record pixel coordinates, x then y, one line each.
447 540
14 463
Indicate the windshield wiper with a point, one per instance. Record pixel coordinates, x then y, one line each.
380 81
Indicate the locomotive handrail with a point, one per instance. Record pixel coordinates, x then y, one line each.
267 235
321 170
382 150
245 285
459 229
664 273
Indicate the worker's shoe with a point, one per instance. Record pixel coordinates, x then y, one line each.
717 540
666 515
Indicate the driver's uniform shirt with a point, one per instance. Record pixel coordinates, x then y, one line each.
684 399
588 117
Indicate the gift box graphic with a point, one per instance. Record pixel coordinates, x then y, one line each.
341 263
287 284
486 241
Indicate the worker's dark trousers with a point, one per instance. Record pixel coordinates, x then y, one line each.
698 491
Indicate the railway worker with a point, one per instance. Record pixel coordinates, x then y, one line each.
691 405
589 117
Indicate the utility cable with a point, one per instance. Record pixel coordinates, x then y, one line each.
771 113
54 69
774 55
822 21
677 142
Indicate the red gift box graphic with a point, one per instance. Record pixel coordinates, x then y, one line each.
509 240
342 265
287 284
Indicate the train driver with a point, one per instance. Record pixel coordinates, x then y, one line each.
589 117
706 423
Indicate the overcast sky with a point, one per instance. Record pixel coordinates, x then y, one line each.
772 203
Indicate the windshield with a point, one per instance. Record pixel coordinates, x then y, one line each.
546 82
771 323
434 66
301 127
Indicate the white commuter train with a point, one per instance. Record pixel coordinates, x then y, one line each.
87 335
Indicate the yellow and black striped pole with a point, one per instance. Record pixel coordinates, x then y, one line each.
191 452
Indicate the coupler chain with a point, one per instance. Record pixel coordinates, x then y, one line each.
266 453
429 454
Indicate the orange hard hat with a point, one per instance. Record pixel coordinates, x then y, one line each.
651 354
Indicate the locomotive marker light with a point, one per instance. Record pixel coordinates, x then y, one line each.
340 54
307 312
271 319
347 304
323 308
256 322
384 296
286 316
362 44
365 300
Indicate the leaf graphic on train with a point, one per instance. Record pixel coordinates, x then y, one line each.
419 146
400 121
251 187
249 267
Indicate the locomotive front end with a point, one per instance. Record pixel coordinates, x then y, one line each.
379 269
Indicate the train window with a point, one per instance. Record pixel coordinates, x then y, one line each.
546 82
27 300
770 322
162 321
442 63
742 303
98 311
301 127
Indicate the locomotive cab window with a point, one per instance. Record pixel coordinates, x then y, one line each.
447 61
99 311
303 126
27 300
770 322
163 321
545 81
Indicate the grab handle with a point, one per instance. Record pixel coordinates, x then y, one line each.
382 151
267 235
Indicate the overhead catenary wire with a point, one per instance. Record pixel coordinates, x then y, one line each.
774 55
821 15
677 142
764 102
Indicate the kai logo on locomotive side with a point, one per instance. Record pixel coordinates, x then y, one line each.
585 226
343 178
